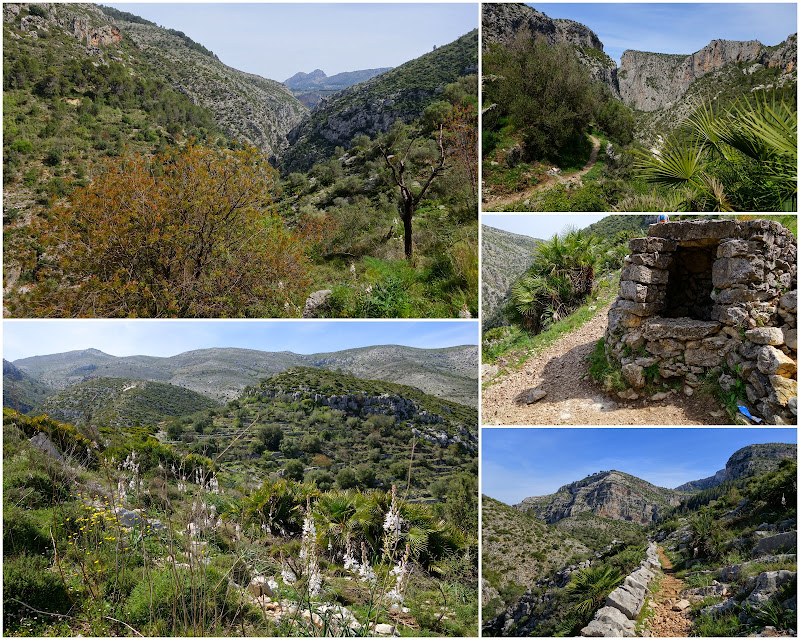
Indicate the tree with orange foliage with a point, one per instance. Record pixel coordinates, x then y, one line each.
190 233
461 143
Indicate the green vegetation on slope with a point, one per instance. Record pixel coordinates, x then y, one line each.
121 403
179 564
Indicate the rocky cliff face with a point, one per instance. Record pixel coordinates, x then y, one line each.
504 22
609 494
652 81
754 459
504 258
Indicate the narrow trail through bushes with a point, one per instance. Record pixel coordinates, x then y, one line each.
665 622
573 398
547 181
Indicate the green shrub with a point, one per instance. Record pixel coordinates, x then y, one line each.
28 579
21 533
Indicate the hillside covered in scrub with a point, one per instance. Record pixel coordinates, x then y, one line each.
372 214
566 129
717 562
315 501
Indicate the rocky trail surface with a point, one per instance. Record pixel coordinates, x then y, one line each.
671 617
570 399
547 181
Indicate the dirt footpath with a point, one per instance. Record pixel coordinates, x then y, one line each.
668 622
546 182
571 400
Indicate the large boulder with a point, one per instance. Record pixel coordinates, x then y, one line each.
767 585
781 542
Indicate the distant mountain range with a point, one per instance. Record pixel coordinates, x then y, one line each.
310 88
223 373
370 107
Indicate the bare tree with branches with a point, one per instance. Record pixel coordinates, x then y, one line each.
399 164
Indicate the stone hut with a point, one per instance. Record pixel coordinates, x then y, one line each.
712 295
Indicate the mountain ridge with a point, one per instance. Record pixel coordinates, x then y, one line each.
223 373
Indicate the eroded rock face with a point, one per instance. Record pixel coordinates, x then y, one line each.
712 296
610 494
651 81
502 22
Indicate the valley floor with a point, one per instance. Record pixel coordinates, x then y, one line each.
573 398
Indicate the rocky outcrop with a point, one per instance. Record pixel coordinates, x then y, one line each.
503 22
700 295
652 81
754 458
609 494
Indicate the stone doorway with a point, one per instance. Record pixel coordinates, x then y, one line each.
689 283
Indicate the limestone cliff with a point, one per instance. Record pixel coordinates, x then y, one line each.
610 494
503 22
754 459
652 81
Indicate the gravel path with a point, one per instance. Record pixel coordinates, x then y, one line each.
573 400
665 622
547 181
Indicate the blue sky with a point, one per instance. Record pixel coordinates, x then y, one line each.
517 463
539 225
278 40
24 338
677 28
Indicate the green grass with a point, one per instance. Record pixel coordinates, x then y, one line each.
514 346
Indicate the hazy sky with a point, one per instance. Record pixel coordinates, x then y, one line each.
276 40
24 338
539 225
517 463
677 28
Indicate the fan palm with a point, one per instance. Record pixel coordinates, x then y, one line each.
590 587
746 156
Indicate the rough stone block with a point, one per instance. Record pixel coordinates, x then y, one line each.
634 374
681 328
657 260
767 585
782 390
789 301
727 272
790 337
627 600
702 357
734 296
651 245
619 318
665 348
733 249
644 275
639 308
771 362
636 292
730 315
765 335
782 541
710 230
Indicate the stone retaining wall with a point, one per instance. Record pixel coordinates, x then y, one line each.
711 295
618 617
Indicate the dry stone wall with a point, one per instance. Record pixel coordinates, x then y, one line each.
623 605
712 295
